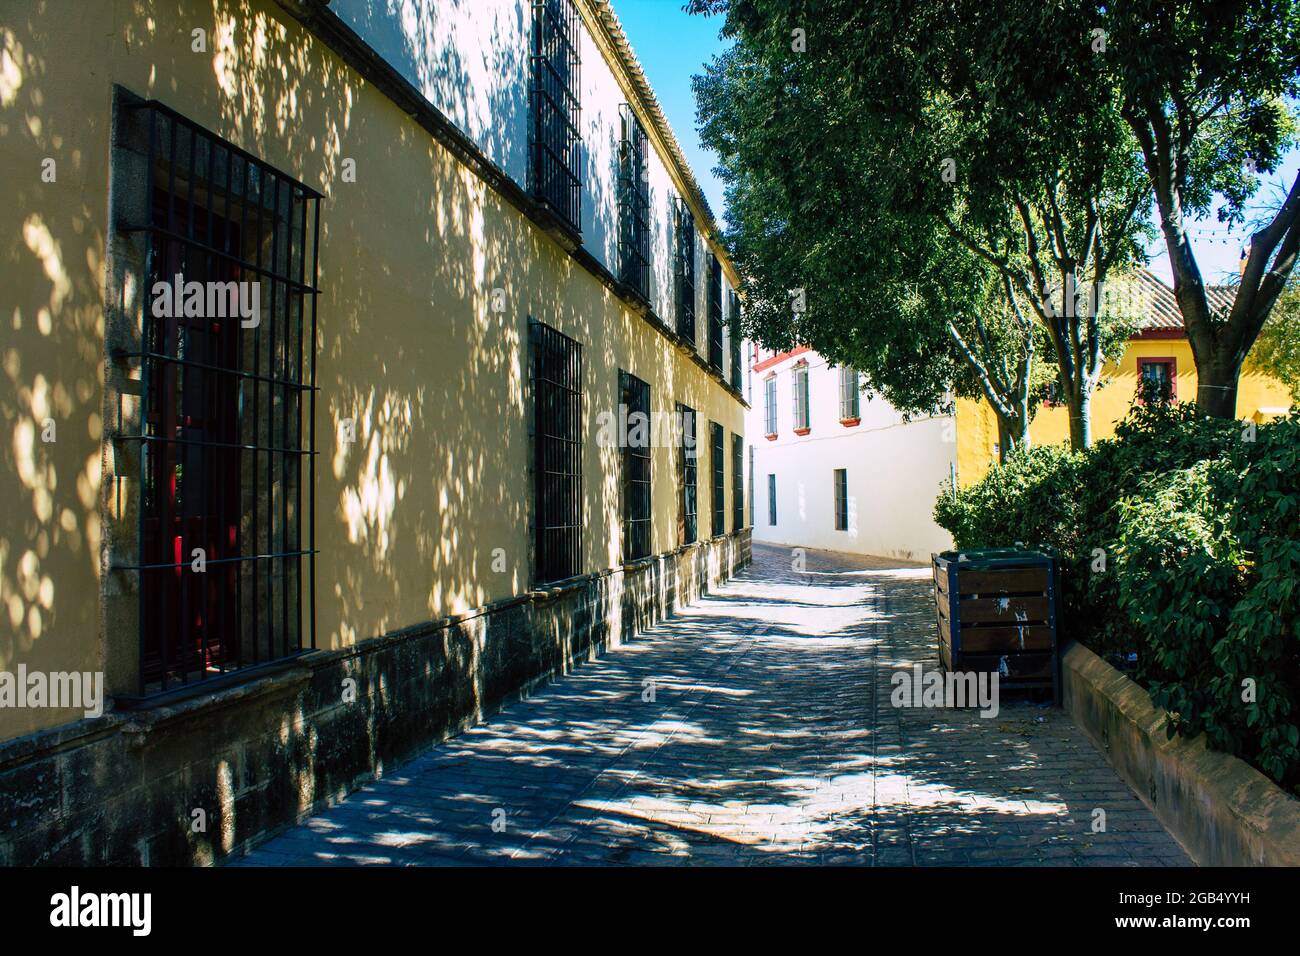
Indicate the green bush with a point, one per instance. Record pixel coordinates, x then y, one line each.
1179 545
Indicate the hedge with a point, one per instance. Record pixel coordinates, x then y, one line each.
1179 543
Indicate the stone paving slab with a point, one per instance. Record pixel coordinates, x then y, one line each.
753 728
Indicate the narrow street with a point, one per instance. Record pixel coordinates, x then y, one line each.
753 728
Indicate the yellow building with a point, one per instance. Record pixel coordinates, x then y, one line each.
312 316
1159 350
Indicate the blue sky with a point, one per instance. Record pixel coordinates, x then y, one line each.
672 47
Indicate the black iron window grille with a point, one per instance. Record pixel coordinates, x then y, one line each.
557 453
227 373
751 486
715 312
555 145
769 405
841 499
634 396
633 206
734 308
737 483
716 453
849 395
800 383
771 500
687 473
684 268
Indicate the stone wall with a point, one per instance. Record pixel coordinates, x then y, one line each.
1223 811
198 779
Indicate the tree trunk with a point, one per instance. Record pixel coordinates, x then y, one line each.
1216 387
1012 433
1078 402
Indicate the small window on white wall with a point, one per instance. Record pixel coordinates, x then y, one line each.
841 499
769 405
849 401
800 381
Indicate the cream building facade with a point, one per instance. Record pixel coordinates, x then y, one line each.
356 518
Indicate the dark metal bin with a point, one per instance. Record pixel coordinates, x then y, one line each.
997 611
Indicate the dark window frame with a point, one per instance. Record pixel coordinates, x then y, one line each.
733 301
684 270
555 370
687 475
715 312
771 499
840 481
554 138
635 470
633 205
737 483
227 411
717 463
750 486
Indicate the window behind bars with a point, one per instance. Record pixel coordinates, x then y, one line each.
557 453
687 473
716 461
684 268
555 144
634 396
226 366
633 206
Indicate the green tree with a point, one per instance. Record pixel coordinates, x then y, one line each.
1203 86
910 138
1277 350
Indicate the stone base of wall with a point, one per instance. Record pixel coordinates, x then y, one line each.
197 780
1223 811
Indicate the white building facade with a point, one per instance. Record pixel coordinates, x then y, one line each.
834 470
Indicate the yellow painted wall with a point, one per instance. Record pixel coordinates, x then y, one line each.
977 429
408 516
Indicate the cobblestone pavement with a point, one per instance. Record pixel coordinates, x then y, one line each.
755 727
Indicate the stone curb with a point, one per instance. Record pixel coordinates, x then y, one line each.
1223 811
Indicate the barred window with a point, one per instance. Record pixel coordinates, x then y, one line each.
841 483
751 486
684 268
800 382
556 371
737 483
226 359
771 500
634 396
715 312
687 473
633 206
555 145
849 395
734 310
716 453
769 404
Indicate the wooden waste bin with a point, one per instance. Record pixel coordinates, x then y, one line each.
996 610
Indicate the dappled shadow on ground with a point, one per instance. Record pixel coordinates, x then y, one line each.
754 728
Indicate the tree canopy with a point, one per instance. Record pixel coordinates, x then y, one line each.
898 160
925 189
